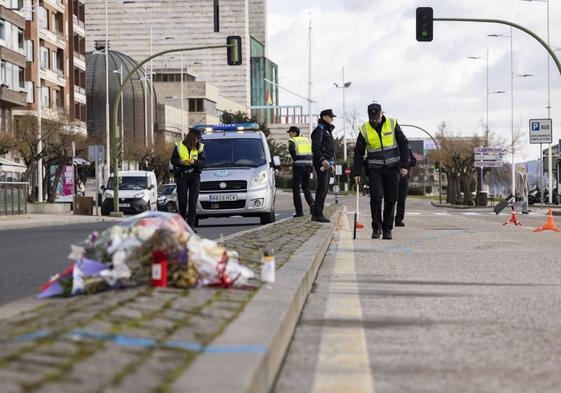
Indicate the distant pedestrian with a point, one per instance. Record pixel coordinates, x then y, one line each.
81 188
188 159
521 189
387 158
403 189
300 149
323 155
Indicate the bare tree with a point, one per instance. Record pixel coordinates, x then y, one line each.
8 143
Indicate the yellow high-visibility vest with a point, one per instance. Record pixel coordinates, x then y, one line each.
303 150
382 151
187 154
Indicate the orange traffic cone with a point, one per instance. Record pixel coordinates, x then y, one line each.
550 225
513 219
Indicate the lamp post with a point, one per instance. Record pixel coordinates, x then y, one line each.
549 157
512 76
120 73
344 85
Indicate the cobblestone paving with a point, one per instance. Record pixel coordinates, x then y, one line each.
136 340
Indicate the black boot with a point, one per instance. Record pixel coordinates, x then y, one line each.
387 235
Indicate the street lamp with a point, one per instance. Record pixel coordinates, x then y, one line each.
549 157
344 85
120 73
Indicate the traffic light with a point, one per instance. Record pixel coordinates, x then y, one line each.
234 50
437 166
424 24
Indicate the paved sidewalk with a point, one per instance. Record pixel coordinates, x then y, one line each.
137 340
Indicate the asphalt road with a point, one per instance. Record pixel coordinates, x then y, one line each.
457 302
29 257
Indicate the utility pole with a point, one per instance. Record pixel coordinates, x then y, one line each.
310 79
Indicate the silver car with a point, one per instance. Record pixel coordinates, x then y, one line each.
239 176
167 197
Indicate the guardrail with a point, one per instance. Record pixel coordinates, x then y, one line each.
13 198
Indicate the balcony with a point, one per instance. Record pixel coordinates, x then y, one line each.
79 94
12 98
80 61
52 77
81 127
79 26
54 38
56 4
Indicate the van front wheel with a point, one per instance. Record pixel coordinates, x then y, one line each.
267 218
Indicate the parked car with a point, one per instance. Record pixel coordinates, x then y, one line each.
137 192
167 197
239 174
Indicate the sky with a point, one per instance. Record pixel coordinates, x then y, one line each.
421 83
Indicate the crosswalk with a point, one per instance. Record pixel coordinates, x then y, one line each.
460 213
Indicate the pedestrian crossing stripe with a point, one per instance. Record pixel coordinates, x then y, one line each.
447 214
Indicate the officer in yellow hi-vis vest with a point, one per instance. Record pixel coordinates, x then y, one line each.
387 159
300 149
188 160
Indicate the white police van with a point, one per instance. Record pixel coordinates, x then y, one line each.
239 174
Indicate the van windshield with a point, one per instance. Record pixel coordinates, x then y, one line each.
129 183
234 153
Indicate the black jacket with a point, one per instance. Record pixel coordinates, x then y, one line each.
179 168
402 144
323 144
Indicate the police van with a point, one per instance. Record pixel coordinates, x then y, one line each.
239 174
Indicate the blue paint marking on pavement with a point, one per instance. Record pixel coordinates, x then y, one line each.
151 343
236 349
33 336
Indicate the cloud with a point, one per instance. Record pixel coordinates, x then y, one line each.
421 83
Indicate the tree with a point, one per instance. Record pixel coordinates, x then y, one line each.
154 159
8 143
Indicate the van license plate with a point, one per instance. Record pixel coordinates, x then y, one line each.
223 197
124 205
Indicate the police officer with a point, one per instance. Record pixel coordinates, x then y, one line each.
403 188
387 159
323 154
188 160
300 149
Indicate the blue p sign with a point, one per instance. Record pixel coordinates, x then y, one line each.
535 126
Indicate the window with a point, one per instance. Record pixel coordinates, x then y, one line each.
43 18
59 98
196 105
216 16
44 57
45 96
21 78
30 48
3 73
59 23
30 98
2 30
60 61
21 41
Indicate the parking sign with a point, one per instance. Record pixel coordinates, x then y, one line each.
540 131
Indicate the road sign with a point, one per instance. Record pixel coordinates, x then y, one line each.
347 171
540 131
338 170
96 153
488 157
488 164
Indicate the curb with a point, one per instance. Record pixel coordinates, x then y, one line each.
263 330
460 207
33 222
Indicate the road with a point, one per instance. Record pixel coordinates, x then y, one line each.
455 303
31 256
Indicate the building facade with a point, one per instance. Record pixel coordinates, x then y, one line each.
140 28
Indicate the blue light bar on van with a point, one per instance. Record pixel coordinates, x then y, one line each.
228 127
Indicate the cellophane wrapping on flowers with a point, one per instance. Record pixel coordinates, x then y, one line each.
121 256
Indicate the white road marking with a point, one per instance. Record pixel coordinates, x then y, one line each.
343 364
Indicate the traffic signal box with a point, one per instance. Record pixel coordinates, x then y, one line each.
424 23
234 49
437 166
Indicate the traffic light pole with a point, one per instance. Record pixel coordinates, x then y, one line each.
116 142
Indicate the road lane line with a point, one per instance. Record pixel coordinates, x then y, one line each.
343 364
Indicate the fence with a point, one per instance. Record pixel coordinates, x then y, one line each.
13 198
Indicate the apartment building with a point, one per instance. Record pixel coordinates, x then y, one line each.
55 71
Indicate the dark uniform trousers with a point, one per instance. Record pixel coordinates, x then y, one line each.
383 183
401 197
321 192
188 185
301 179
